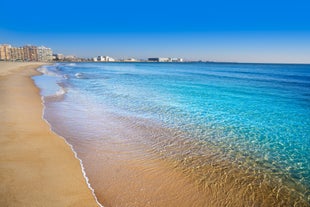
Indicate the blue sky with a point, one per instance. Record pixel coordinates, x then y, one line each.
239 30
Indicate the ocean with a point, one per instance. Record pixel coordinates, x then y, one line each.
185 134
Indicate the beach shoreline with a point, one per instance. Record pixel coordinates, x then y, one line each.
37 167
137 160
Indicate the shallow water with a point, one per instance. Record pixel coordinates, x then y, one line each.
191 134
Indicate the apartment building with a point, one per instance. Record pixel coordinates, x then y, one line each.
5 53
17 53
30 53
45 54
25 53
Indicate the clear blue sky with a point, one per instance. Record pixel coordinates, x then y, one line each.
218 30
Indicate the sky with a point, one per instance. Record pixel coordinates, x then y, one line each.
219 30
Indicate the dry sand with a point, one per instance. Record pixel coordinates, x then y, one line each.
37 168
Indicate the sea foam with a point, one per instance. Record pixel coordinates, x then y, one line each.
251 118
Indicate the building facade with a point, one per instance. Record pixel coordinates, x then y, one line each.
5 53
159 59
58 57
103 59
25 53
30 53
45 54
17 54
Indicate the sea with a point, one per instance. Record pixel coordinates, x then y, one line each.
185 134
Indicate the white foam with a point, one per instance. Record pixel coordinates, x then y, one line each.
62 91
75 154
71 64
78 75
44 70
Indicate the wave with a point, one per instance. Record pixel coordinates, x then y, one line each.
79 75
71 64
58 95
62 91
44 70
174 101
74 152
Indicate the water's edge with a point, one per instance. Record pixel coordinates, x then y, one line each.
72 149
122 157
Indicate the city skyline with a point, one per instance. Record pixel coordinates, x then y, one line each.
262 31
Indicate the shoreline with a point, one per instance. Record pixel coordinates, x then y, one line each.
37 167
131 161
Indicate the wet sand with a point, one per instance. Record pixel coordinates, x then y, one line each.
136 163
37 168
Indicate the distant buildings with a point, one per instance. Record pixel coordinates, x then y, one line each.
156 59
130 60
30 53
25 53
44 54
58 57
17 53
103 59
69 58
159 59
5 52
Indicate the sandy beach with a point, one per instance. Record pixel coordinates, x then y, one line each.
37 168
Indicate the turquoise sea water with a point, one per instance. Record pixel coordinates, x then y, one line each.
253 115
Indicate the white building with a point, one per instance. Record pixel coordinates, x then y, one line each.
176 60
161 59
45 54
104 59
60 56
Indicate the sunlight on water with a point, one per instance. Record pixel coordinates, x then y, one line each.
220 134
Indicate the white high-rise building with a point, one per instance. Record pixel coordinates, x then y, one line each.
44 54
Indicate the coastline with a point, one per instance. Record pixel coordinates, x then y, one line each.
37 167
135 161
